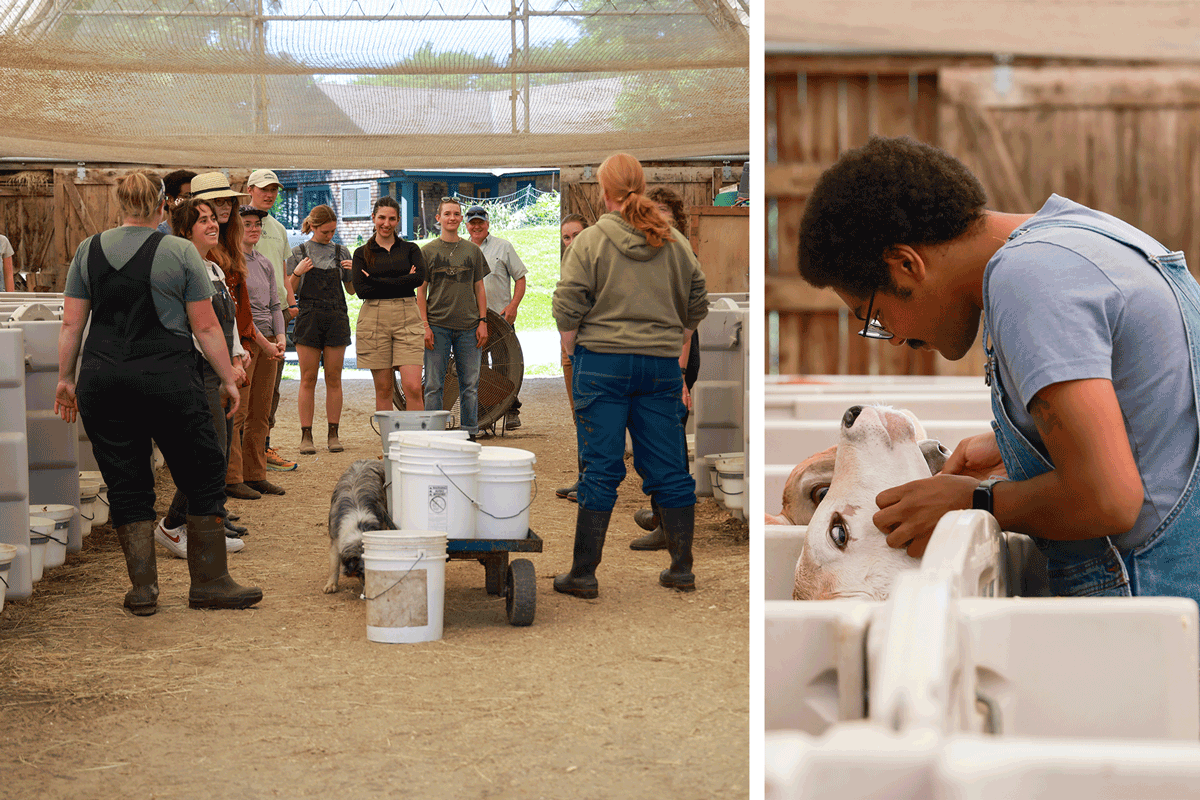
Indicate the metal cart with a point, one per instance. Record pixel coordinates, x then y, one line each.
515 580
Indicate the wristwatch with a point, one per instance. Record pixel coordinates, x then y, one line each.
981 498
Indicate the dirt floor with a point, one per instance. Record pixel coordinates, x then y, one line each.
642 693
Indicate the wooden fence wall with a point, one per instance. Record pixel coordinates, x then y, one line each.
46 213
723 244
1125 140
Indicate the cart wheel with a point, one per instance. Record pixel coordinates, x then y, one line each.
520 592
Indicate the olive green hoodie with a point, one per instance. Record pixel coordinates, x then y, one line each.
625 296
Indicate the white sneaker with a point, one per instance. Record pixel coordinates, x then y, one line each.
174 539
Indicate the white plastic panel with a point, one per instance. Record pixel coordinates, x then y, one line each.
1095 667
814 657
781 549
975 404
788 441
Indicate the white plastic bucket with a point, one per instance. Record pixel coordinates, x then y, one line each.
101 506
89 491
436 482
709 462
391 421
404 582
40 529
506 482
8 552
62 514
393 439
731 481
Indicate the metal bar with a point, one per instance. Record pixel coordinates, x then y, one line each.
526 65
368 18
512 60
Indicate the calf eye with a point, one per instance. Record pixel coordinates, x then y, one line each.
818 494
838 533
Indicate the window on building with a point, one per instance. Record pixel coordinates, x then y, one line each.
356 200
484 192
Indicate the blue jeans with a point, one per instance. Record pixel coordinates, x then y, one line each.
615 391
466 360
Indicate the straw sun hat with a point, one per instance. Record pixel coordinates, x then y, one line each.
211 185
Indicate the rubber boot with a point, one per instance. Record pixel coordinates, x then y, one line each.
211 585
648 520
590 529
137 542
335 445
679 524
306 442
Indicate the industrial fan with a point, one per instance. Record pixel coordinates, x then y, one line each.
500 375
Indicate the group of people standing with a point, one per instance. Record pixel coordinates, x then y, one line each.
187 340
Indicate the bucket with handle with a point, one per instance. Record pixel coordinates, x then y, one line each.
404 583
62 514
506 491
731 479
436 484
40 530
389 467
101 506
8 552
387 422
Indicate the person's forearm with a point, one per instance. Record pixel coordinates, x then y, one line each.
518 291
568 341
1047 506
481 299
9 279
421 308
687 347
70 339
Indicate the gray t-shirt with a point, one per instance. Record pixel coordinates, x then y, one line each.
177 276
1067 304
324 256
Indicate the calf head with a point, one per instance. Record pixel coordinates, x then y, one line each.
844 554
805 487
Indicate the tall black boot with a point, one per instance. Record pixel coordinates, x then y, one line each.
648 519
137 542
590 528
679 524
211 585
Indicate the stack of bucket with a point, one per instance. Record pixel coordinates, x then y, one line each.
442 487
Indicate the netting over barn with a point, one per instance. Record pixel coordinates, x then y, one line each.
372 83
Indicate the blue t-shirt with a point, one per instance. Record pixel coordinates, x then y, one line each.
1066 304
177 276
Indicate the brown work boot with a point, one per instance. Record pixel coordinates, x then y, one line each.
265 487
335 445
307 448
137 542
212 587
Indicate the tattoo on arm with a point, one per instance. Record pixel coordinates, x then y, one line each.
1045 416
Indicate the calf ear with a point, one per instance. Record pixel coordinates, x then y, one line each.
935 455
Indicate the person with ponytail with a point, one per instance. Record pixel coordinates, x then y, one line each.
390 334
317 270
147 295
630 295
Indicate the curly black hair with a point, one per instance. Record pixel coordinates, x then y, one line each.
885 193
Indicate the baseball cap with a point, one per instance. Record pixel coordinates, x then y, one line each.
262 178
476 212
258 212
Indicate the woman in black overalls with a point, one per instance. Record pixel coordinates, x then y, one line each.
317 270
145 292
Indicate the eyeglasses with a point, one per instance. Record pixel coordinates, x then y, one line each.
252 225
872 329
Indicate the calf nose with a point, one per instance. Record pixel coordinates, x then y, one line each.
851 414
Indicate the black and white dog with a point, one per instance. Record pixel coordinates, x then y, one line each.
359 504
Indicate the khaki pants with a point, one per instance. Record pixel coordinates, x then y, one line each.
247 445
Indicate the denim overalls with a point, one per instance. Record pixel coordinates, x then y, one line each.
1168 562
